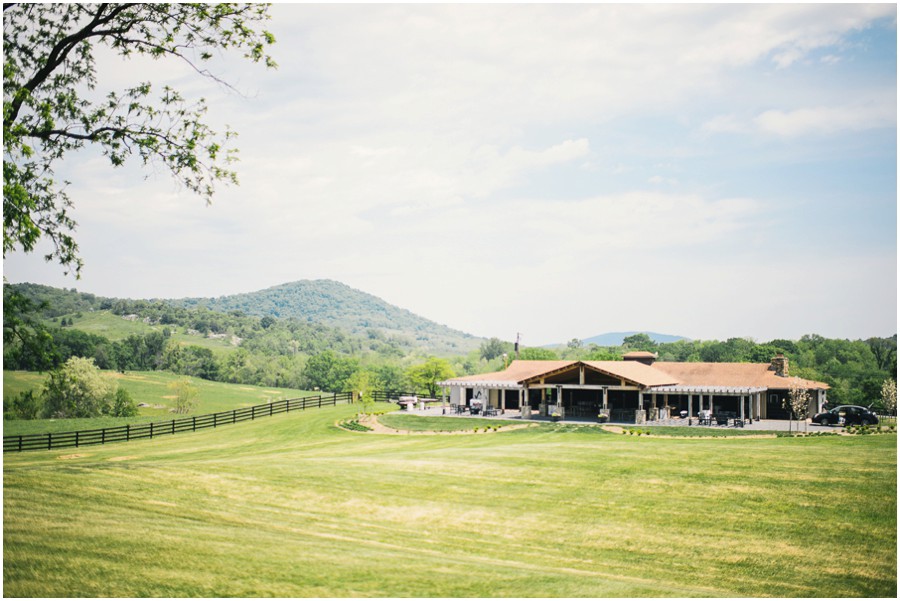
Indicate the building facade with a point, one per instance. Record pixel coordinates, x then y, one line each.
638 388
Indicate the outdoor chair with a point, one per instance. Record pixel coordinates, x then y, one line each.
721 420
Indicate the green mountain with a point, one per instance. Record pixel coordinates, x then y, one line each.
334 304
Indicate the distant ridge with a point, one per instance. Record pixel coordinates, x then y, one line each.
335 304
616 338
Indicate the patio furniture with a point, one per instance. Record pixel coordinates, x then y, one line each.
721 420
490 412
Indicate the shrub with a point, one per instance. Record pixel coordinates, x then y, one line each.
122 404
25 405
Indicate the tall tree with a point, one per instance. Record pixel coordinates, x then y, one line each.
428 374
50 107
78 389
493 348
328 371
639 342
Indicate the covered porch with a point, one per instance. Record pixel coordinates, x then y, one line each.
744 403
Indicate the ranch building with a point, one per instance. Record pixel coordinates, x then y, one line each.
638 388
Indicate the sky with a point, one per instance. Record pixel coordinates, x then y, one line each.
555 171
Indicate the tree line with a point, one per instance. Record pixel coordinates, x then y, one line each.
289 353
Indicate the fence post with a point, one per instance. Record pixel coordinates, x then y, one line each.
76 439
20 442
151 429
49 440
173 426
127 432
194 424
334 400
215 419
271 407
234 416
103 436
252 413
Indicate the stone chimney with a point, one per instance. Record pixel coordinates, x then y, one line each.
779 365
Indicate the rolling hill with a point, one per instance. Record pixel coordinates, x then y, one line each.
334 304
616 338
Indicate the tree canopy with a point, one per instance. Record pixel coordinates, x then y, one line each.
51 105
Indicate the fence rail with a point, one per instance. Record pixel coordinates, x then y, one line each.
128 432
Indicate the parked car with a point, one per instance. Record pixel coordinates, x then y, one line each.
846 415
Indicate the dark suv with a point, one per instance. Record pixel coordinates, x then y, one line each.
846 415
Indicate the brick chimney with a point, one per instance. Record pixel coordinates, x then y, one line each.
779 365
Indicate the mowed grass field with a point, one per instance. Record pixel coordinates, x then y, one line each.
150 387
291 506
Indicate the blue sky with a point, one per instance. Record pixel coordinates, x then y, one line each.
556 170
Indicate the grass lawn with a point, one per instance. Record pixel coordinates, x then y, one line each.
145 387
404 421
291 506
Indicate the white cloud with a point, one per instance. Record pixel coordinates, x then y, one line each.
485 165
725 124
826 119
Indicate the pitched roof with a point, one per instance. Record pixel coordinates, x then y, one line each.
739 375
661 373
637 372
517 372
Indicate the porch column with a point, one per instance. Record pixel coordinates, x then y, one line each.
542 409
742 407
525 403
605 399
690 406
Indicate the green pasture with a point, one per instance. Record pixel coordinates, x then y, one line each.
292 506
114 327
150 387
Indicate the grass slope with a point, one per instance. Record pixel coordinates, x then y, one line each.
149 387
291 506
115 328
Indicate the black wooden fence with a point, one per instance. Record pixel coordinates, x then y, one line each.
59 440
